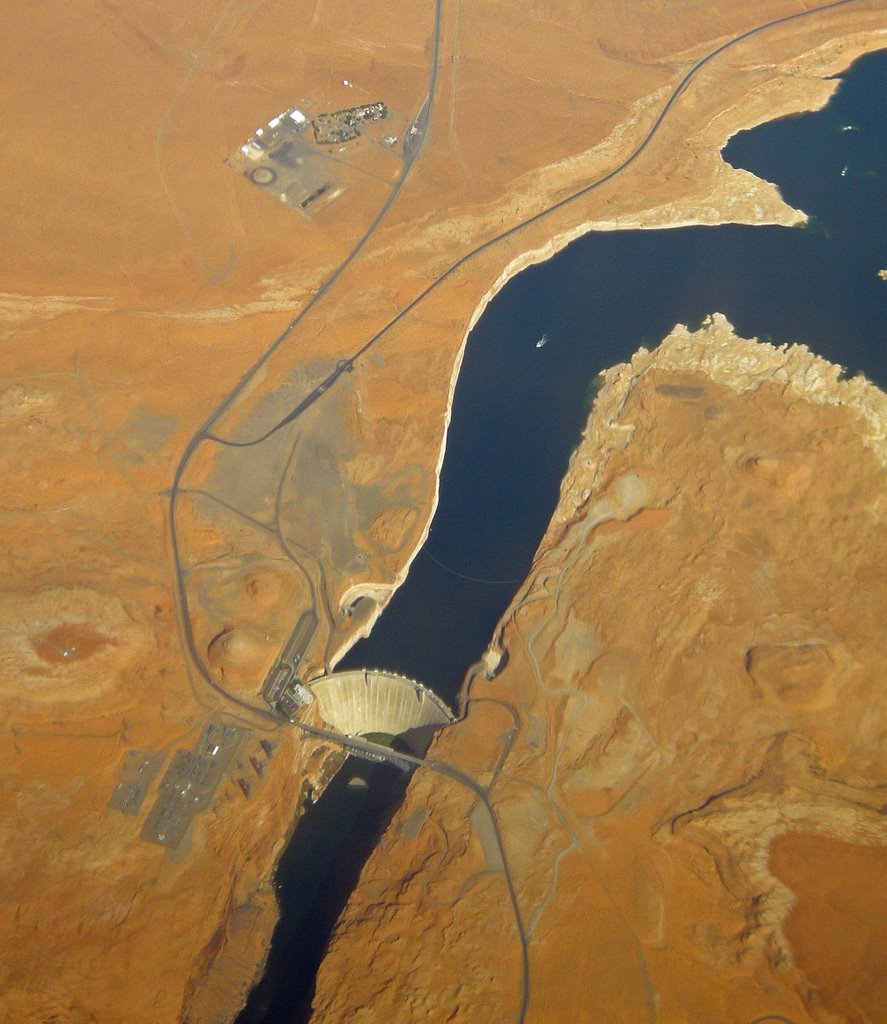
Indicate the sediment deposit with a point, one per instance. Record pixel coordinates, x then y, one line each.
685 747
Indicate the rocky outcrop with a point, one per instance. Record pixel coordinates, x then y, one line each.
683 752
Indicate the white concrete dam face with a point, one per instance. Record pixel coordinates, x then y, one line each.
364 701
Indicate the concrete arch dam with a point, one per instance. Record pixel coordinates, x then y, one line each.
364 702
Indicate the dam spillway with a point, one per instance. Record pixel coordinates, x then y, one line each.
363 702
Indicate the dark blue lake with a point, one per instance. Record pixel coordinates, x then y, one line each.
519 411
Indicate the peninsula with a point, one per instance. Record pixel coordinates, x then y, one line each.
250 241
684 745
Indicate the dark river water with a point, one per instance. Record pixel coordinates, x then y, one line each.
519 411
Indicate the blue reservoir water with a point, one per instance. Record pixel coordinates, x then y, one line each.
519 411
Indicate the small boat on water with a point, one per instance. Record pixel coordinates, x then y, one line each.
542 341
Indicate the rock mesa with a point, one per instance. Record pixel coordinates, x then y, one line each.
684 748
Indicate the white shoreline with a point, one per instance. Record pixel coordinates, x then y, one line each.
381 592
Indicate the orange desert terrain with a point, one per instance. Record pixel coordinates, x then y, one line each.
160 309
684 751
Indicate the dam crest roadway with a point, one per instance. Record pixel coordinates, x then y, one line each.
357 702
369 702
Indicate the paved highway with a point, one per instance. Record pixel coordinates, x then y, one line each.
412 153
482 793
677 92
205 431
413 145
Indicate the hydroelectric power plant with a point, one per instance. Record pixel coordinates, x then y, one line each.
381 705
372 703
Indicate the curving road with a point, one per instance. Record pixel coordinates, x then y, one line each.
412 151
411 154
482 793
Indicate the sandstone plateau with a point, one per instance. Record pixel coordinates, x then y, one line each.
685 747
151 573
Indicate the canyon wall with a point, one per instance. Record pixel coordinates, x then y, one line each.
684 748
